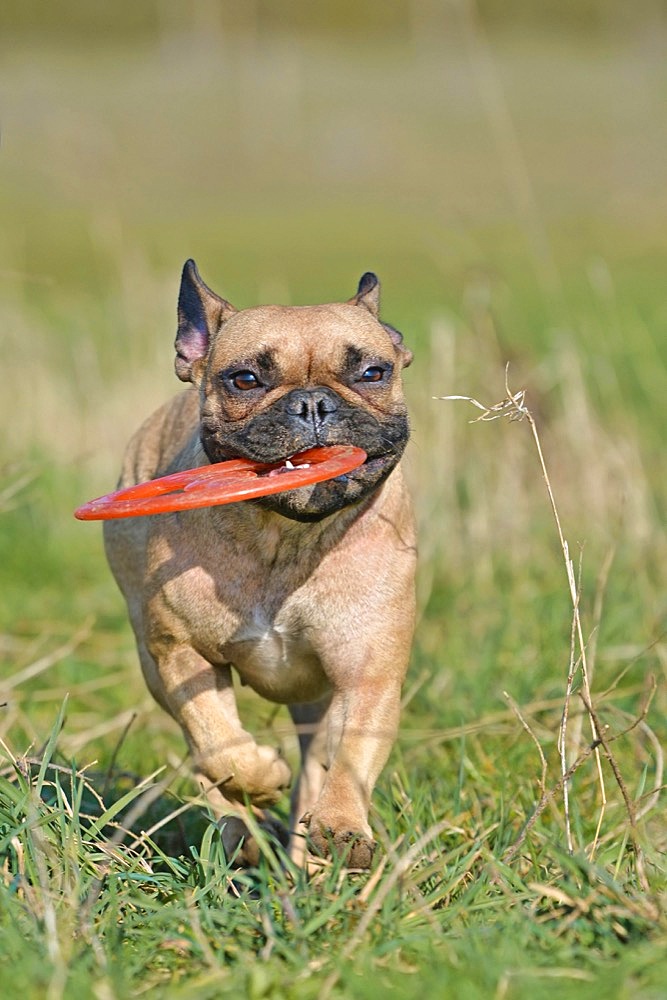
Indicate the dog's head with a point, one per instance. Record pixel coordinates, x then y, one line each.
277 380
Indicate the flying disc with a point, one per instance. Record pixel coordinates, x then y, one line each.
223 482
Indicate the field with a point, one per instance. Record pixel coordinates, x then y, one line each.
507 181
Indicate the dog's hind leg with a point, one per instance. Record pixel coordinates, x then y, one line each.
237 824
312 730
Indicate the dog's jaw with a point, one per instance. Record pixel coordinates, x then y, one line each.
314 503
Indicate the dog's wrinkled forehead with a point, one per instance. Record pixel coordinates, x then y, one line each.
309 339
302 342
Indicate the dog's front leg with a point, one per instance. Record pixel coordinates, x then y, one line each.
230 766
363 721
201 699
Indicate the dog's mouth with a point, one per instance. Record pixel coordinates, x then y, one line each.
289 466
272 440
372 464
314 502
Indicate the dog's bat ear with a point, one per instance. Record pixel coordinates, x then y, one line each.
368 296
397 341
201 313
368 293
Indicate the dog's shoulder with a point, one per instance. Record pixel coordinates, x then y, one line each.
164 441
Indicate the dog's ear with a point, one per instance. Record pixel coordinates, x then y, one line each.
368 296
368 293
201 313
397 341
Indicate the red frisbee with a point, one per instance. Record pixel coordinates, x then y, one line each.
223 482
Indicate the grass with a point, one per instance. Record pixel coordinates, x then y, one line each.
339 156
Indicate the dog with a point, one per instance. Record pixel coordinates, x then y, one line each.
308 595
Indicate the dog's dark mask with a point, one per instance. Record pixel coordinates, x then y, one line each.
307 418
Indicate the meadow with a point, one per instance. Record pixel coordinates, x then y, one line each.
506 180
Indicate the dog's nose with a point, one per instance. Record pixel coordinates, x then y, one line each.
313 406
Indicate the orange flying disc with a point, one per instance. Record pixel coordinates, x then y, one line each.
223 482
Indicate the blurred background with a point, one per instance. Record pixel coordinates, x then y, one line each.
501 165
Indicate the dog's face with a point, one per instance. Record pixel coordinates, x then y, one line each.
277 380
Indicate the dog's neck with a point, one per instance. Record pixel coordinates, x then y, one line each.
276 538
273 530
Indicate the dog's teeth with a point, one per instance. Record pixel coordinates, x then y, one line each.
288 464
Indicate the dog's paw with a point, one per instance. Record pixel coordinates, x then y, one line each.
260 775
354 847
255 773
239 843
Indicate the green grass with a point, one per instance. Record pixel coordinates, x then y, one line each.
288 163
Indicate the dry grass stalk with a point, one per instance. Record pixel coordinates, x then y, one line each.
516 710
629 804
652 795
513 406
547 796
50 659
639 722
596 615
18 480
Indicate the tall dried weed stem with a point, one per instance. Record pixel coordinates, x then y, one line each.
572 755
479 511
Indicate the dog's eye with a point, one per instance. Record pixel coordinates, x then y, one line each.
244 380
374 373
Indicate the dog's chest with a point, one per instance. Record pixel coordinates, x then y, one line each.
260 631
276 661
252 601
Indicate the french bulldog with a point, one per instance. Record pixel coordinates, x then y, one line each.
307 595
